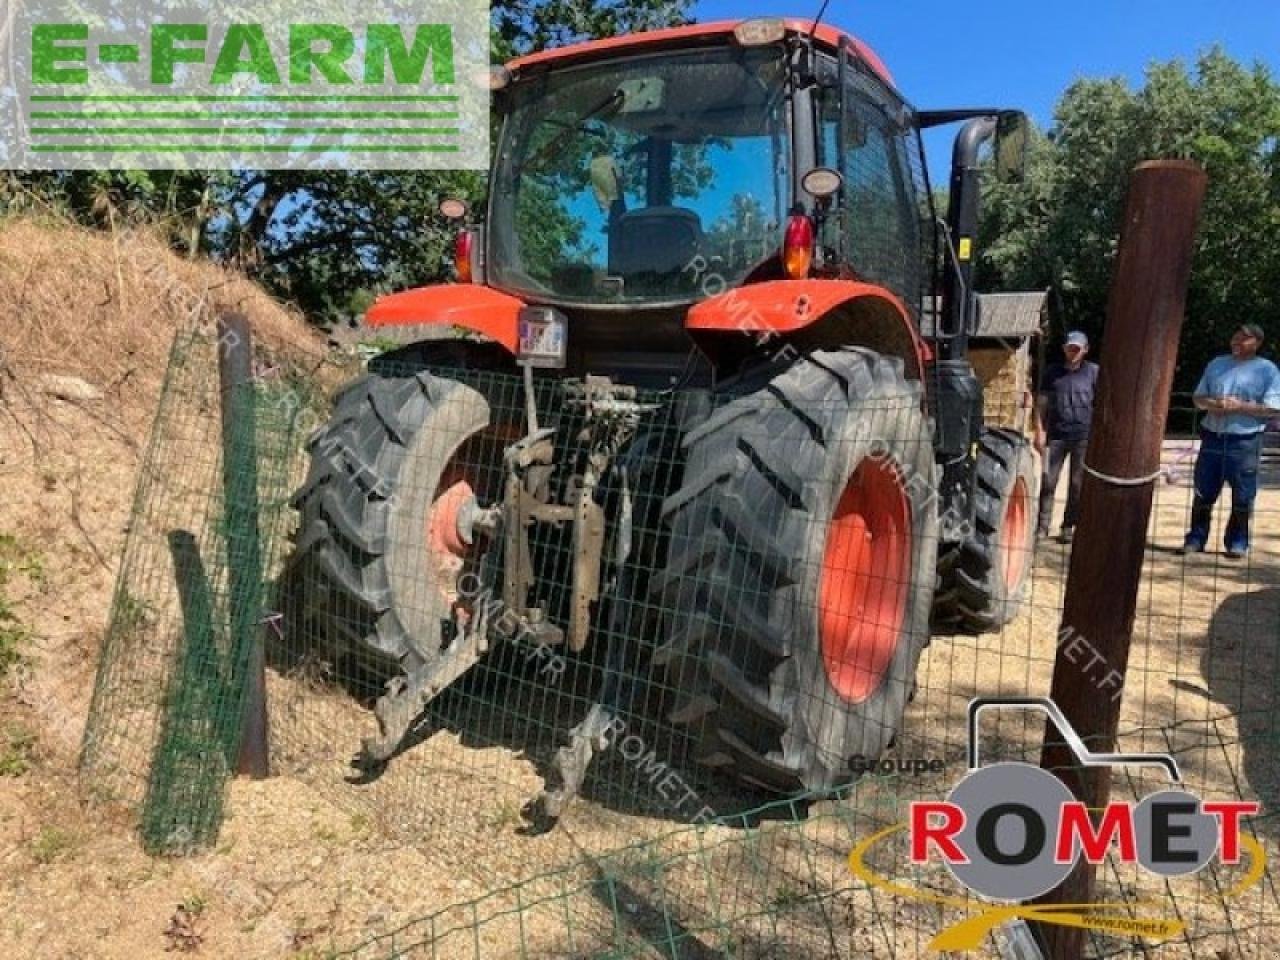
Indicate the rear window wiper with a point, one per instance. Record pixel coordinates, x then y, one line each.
605 108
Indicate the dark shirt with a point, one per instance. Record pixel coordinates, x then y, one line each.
1070 400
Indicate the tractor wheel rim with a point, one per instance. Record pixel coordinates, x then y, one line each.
462 481
446 550
1013 537
442 523
866 579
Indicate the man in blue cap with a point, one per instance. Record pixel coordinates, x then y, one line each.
1065 411
1239 393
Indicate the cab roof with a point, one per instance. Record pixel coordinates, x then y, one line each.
689 36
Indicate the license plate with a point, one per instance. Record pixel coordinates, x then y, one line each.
543 337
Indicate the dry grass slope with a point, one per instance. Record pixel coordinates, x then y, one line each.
103 308
86 323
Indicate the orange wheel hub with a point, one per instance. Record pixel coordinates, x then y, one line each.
866 579
445 547
1012 555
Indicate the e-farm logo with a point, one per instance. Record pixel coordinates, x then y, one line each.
1011 832
268 84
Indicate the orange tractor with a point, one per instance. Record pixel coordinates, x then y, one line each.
726 228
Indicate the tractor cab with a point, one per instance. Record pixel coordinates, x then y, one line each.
741 465
639 176
663 173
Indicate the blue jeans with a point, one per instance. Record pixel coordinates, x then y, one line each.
1231 459
1055 455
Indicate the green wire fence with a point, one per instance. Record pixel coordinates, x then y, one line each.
680 672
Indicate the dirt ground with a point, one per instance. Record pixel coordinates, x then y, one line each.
308 860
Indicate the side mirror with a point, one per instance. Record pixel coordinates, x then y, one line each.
1012 135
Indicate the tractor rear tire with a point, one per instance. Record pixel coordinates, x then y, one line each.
986 579
799 575
364 571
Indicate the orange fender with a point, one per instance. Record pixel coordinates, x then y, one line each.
474 307
787 306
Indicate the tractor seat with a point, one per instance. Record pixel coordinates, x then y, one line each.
654 240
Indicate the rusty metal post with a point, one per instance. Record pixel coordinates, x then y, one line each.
1140 346
244 561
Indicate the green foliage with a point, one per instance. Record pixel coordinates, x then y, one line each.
195 903
327 240
1061 228
17 750
131 617
330 240
377 346
786 896
742 237
15 560
18 558
183 203
520 27
52 843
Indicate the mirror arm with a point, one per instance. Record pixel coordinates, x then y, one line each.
804 62
940 118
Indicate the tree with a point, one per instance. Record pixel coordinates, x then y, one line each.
327 240
323 238
1061 228
520 27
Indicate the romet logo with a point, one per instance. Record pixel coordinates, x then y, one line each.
247 83
1013 832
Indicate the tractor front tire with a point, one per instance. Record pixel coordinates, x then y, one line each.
369 579
799 575
986 578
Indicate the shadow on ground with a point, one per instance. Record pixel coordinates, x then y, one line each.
1239 667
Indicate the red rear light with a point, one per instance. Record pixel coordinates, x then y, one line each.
462 249
797 247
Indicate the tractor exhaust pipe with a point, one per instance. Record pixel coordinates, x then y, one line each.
957 395
959 303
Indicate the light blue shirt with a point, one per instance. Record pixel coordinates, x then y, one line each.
1255 380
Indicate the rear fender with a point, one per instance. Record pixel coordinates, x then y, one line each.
817 313
480 309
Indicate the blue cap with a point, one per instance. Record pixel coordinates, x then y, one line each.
1077 339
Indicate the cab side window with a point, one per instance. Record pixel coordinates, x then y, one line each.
879 219
876 199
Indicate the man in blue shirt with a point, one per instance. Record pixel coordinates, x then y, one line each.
1064 413
1239 392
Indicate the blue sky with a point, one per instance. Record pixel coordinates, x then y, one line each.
1024 53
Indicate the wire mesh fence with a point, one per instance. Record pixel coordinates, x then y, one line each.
165 720
671 605
778 884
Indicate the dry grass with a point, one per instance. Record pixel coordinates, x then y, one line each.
80 304
104 308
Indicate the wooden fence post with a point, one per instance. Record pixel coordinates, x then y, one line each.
244 559
1140 346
